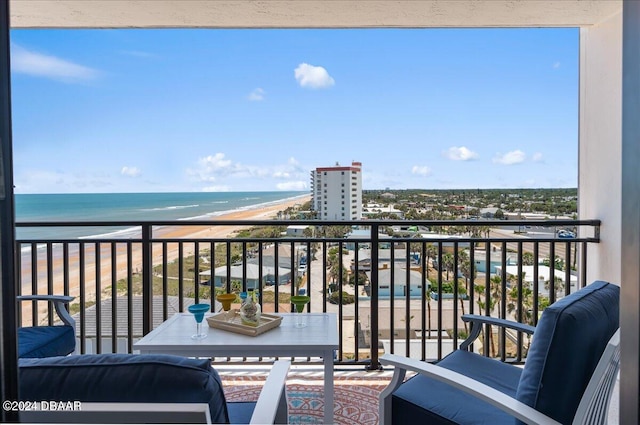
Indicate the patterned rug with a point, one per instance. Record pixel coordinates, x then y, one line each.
355 395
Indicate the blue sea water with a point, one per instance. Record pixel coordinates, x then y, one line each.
130 207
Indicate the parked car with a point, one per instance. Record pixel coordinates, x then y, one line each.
565 234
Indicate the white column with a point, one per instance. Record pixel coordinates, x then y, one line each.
600 143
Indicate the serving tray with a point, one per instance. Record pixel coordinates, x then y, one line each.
230 321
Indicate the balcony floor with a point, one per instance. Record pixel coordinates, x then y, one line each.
356 391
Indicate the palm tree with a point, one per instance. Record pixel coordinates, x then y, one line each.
447 263
432 252
558 284
495 295
496 292
483 303
466 270
527 259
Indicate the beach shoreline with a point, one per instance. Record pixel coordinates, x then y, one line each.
55 280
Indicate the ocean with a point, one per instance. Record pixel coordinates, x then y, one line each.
79 207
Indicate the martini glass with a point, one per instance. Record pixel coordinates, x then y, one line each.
198 311
226 300
300 301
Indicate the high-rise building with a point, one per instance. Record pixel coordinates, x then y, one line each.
337 192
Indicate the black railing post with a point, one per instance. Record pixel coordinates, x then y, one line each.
8 281
375 364
147 280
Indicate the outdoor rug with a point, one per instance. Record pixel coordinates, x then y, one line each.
355 395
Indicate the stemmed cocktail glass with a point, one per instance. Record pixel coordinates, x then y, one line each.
300 301
198 311
226 300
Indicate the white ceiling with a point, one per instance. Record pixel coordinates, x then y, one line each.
308 13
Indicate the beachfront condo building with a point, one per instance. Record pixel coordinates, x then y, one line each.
337 192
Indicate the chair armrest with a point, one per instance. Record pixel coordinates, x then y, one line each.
478 320
271 407
53 298
475 388
59 302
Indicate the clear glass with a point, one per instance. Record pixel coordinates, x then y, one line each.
300 301
198 311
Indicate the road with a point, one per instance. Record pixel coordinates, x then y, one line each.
543 247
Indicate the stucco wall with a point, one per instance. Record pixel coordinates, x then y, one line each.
600 152
307 13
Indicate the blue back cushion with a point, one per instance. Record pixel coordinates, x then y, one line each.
143 378
567 344
45 341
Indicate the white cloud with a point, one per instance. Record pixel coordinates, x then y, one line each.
217 173
461 153
314 77
537 157
421 170
215 163
556 65
130 171
257 95
510 158
295 185
40 65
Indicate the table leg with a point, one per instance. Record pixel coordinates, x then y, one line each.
328 387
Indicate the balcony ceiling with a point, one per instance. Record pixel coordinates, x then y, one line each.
310 13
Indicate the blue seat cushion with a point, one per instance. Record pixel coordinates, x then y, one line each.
45 341
567 345
424 400
143 378
240 412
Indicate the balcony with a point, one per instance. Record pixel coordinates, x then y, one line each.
125 287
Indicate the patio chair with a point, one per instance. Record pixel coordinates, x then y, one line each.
48 341
568 375
144 388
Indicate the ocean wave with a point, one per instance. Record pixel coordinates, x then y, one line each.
26 248
244 208
171 207
128 233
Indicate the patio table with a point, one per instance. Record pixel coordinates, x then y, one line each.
318 339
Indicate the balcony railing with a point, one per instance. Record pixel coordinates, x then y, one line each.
403 293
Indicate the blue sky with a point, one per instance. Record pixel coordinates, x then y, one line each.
239 110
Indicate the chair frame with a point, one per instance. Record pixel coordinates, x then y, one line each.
593 405
60 304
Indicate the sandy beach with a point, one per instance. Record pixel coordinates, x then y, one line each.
54 280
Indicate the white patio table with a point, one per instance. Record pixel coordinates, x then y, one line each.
318 339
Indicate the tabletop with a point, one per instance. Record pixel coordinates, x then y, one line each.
174 336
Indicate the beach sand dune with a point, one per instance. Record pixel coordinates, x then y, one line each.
70 268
